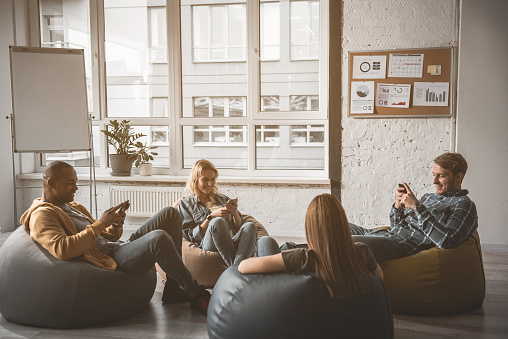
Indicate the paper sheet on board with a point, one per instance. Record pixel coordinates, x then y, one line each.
362 97
405 66
369 67
393 95
431 93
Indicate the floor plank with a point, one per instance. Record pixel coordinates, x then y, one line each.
178 321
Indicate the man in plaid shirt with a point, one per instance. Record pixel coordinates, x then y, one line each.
443 219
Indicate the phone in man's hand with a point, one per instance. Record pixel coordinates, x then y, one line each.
125 206
404 191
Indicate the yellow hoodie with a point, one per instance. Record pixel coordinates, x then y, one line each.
51 227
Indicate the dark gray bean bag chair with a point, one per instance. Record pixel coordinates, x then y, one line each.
38 290
284 305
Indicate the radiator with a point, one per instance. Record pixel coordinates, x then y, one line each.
145 200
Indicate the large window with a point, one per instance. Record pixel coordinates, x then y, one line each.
240 83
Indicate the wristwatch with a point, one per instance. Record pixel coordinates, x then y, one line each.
209 217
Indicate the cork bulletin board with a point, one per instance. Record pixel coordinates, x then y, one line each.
424 78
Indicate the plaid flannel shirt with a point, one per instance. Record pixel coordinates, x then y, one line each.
443 220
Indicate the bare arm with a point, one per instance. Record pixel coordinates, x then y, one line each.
271 263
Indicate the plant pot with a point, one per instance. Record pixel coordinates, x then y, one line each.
121 165
145 169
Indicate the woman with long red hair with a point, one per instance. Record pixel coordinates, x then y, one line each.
346 268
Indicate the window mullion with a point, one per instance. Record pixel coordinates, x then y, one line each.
175 86
253 78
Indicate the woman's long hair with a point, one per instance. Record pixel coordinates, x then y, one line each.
338 261
196 173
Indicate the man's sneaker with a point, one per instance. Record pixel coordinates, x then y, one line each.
200 301
173 294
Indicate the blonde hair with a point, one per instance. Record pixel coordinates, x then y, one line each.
196 173
338 261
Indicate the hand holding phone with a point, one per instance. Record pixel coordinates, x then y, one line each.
233 201
124 207
232 205
401 190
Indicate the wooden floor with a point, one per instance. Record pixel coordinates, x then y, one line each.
178 321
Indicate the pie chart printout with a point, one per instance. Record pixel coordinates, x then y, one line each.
362 91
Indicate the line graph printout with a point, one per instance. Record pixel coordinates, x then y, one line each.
393 95
405 66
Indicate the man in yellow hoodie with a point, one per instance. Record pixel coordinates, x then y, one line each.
69 232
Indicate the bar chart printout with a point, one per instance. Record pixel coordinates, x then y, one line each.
431 93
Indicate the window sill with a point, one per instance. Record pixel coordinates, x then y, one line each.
156 178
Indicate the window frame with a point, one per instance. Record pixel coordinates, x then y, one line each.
176 122
226 46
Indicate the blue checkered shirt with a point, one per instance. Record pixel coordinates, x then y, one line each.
441 220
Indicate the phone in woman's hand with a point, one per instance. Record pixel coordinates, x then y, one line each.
233 201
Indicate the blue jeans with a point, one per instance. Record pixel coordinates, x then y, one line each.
266 246
158 240
383 246
233 250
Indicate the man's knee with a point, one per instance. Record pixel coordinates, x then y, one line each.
171 213
160 237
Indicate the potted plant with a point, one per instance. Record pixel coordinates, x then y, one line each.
141 156
121 136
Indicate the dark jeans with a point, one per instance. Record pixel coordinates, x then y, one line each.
380 243
158 240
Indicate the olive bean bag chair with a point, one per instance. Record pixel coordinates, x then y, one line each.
285 305
437 281
38 290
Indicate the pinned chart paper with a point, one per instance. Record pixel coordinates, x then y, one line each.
369 67
431 93
362 97
405 66
393 95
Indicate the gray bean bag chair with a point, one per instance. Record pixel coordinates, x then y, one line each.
38 290
284 305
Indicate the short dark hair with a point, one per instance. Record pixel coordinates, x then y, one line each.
454 162
54 170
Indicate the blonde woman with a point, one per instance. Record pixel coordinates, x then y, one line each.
212 220
346 268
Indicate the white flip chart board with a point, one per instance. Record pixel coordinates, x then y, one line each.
49 102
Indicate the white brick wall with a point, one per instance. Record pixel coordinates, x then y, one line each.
377 154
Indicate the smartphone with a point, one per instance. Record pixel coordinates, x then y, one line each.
125 206
235 200
404 191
